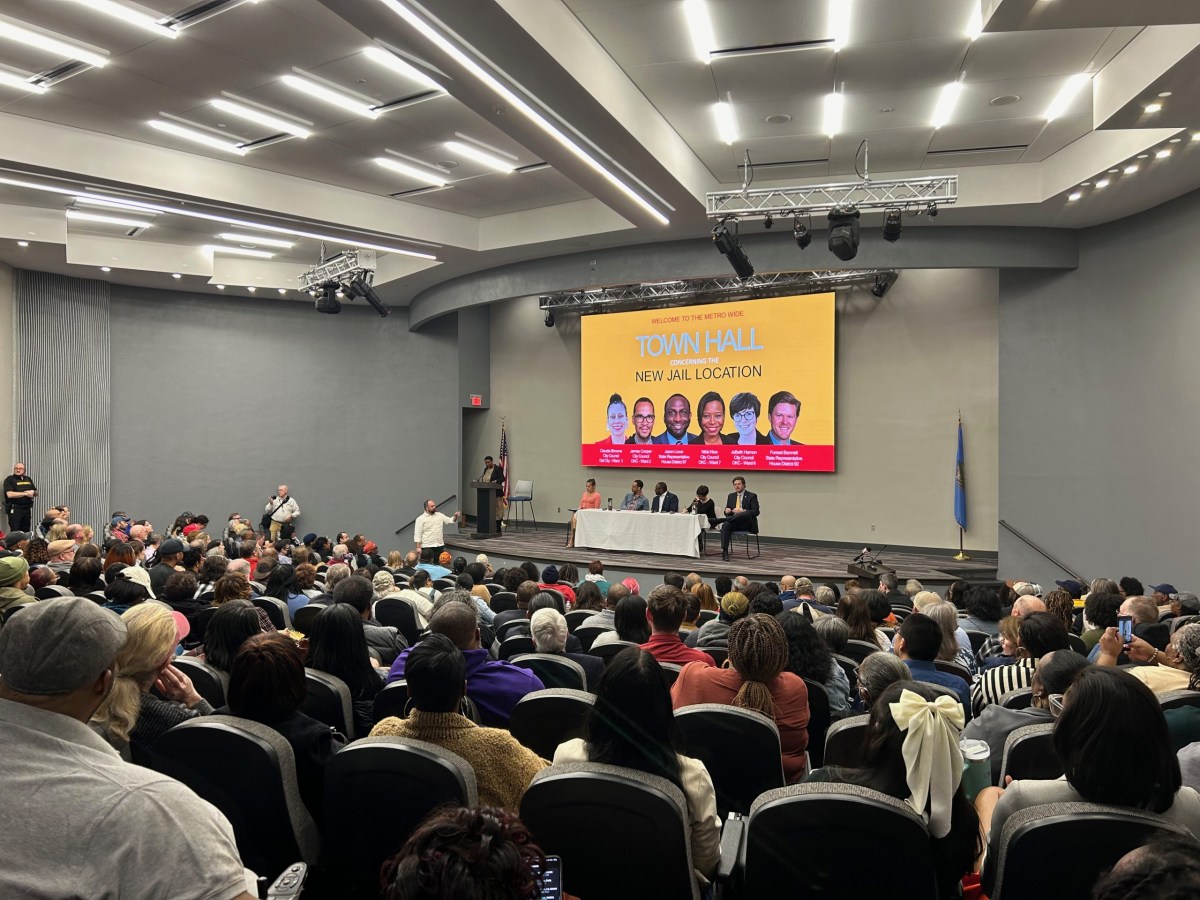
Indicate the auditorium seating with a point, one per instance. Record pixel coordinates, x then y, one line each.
834 840
739 747
718 654
329 700
589 633
553 670
1075 642
398 613
1018 699
577 810
670 672
952 668
1176 699
544 719
978 639
503 602
377 790
819 720
608 651
277 611
859 650
1057 850
516 645
575 618
258 795
391 701
305 616
850 667
1029 753
50 591
513 626
209 683
844 741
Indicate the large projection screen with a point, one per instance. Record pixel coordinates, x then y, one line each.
747 385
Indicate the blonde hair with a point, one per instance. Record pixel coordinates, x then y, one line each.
56 533
946 615
923 599
151 636
758 651
708 600
395 559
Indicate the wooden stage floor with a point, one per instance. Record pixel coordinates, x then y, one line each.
813 560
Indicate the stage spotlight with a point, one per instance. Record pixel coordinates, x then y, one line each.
728 244
768 222
327 302
360 287
843 233
880 287
891 225
549 320
931 210
802 232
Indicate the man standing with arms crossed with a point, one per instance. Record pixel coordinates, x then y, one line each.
19 491
283 510
427 531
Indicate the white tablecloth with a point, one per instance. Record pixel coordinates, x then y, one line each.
670 533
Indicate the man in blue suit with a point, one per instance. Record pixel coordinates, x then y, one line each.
741 514
664 500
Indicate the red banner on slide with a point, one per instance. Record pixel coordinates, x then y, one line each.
748 457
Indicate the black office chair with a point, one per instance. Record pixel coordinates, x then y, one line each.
328 700
844 741
859 650
608 651
575 808
209 683
1035 841
401 615
588 633
1180 621
553 670
819 720
739 747
745 537
258 794
576 617
444 584
542 720
805 841
377 791
391 701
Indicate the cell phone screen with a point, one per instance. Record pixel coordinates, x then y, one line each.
550 877
1125 628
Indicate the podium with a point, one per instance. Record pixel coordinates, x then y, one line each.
486 494
869 570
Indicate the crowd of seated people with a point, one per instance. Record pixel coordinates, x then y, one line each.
945 669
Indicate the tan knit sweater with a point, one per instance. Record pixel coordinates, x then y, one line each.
503 767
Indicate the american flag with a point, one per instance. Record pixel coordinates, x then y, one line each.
504 455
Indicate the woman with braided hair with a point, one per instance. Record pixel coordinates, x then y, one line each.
755 678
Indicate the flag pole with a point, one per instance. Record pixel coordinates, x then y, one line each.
960 555
960 492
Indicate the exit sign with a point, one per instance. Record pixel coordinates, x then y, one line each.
477 399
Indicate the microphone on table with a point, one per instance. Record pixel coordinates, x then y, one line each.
863 555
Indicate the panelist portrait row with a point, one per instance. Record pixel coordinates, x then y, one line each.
745 410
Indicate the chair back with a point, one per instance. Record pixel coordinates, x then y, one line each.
516 645
391 701
589 633
522 491
277 611
977 639
1029 753
305 616
1018 699
1093 836
859 650
210 683
199 624
513 626
257 586
739 747
706 615
1180 621
718 654
405 780
670 672
1075 642
850 667
575 808
52 591
259 795
503 601
542 720
1177 699
819 720
952 668
575 618
444 584
329 700
553 670
789 852
400 614
561 598
608 651
844 741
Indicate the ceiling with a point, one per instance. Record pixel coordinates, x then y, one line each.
620 80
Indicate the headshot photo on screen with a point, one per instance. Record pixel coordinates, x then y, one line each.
783 410
643 422
678 413
712 418
744 409
617 420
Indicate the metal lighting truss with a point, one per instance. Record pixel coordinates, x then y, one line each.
913 195
713 290
343 269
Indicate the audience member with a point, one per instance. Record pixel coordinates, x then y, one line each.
588 597
691 616
629 621
951 649
715 632
549 631
1172 670
756 679
236 587
1040 633
853 609
877 673
918 642
708 600
665 610
419 595
1099 612
1167 868
436 672
385 640
337 646
14 578
1010 643
809 658
606 617
984 611
551 581
1059 603
632 725
179 592
230 626
169 556
85 576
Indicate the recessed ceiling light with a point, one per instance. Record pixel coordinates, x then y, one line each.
1112 171
778 119
1085 184
50 43
396 64
12 79
220 287
282 290
1162 154
1101 184
1004 100
176 275
726 124
1153 107
492 162
105 268
320 92
1164 94
700 27
1065 95
1196 136
127 14
1075 196
251 288
81 216
199 137
238 251
835 105
1143 156
947 100
22 243
259 117
1130 170
1174 140
422 175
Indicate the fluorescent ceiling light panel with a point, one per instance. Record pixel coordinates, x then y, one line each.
946 102
411 171
320 92
396 64
80 216
199 137
255 239
250 114
1065 95
835 105
486 159
700 27
519 104
42 41
142 206
726 123
12 79
839 23
975 23
239 251
130 15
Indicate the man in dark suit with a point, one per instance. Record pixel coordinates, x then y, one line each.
741 514
664 500
495 474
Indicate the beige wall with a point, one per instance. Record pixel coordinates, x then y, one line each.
7 360
906 365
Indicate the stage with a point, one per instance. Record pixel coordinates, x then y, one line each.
820 562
